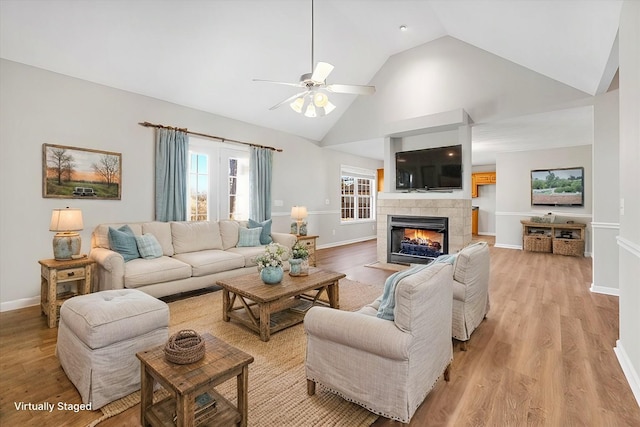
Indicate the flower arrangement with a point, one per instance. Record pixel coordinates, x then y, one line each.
299 251
272 256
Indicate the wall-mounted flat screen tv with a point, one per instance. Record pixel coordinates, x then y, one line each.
557 187
430 169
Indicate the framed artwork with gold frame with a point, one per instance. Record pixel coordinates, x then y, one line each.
80 173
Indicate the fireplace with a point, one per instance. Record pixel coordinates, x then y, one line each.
417 239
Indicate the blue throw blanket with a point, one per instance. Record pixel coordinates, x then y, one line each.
388 303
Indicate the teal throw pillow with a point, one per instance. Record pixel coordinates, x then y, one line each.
148 246
249 237
265 235
123 241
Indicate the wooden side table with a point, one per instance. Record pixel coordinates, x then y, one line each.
220 363
310 243
53 273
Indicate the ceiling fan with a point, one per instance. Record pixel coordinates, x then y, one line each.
313 101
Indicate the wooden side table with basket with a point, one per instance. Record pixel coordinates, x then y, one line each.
56 272
189 381
310 243
557 238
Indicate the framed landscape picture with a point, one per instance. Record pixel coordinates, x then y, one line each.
557 187
80 173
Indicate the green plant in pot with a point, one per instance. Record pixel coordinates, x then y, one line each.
298 262
270 263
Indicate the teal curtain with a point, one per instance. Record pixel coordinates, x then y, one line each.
172 151
260 171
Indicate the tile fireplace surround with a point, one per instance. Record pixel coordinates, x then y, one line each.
457 210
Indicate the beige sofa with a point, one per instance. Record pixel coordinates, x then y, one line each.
194 256
385 366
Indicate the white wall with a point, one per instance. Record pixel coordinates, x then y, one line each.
309 176
513 197
628 346
606 193
44 107
445 75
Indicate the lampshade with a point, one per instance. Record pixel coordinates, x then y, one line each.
66 220
66 242
299 212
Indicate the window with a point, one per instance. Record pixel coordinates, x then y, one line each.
357 201
198 187
218 181
238 188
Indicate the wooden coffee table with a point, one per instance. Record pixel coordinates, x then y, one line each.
266 309
221 362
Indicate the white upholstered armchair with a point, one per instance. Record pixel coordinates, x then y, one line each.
386 366
470 290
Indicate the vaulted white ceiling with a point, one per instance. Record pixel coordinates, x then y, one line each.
204 54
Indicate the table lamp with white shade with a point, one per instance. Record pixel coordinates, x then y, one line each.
66 223
299 213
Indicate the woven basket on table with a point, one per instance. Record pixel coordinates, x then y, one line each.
571 247
537 243
184 347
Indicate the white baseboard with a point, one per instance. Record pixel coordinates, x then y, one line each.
503 246
486 234
628 370
604 290
346 242
19 303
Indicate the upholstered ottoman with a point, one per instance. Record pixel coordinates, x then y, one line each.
99 335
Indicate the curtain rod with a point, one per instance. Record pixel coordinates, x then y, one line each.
151 125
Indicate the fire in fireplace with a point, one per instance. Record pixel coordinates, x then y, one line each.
417 239
421 243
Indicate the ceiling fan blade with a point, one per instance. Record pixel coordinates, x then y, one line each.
278 83
322 71
288 100
353 89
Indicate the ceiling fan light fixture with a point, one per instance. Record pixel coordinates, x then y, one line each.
328 108
320 99
310 111
312 102
296 105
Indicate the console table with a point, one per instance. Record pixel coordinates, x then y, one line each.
562 239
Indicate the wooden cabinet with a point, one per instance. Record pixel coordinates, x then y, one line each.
310 243
474 221
474 186
561 239
485 178
481 178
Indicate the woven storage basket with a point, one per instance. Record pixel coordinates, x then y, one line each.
184 347
572 247
537 243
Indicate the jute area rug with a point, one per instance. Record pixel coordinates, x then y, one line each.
277 381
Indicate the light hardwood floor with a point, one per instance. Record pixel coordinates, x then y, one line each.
543 357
